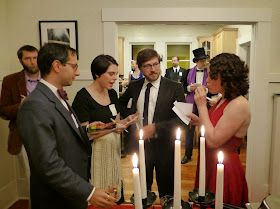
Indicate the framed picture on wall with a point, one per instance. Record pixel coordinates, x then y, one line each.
64 32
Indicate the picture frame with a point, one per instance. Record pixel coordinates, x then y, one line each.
57 31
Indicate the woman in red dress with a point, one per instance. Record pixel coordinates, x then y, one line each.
226 123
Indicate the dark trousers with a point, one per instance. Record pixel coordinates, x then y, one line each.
189 141
159 154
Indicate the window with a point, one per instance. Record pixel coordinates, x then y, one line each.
180 50
136 48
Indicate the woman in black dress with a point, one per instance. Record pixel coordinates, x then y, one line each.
98 104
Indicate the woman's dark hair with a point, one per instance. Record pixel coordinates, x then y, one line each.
233 73
100 65
51 52
145 55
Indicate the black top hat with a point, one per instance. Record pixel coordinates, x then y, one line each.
199 54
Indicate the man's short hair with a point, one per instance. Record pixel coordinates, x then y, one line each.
28 48
51 52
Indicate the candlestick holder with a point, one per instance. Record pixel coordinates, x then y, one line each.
168 203
202 201
151 197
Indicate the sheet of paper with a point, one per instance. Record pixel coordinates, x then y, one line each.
182 109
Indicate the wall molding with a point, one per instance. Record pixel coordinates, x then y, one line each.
274 77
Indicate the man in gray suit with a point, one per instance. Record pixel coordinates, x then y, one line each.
153 97
57 147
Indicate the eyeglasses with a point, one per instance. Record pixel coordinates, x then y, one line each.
74 66
149 66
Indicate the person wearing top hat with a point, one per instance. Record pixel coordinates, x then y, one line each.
196 77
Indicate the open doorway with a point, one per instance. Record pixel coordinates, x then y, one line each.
260 53
180 39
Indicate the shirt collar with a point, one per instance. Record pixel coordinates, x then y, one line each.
176 68
51 87
155 83
27 78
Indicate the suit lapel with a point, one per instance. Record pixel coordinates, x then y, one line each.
59 106
161 97
136 92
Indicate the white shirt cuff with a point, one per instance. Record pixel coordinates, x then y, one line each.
89 197
189 88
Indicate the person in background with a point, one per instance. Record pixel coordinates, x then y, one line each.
15 88
135 73
153 97
226 123
196 77
98 102
176 73
57 147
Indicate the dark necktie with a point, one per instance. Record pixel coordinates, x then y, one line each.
62 93
146 104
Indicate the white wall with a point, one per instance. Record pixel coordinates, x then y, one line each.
19 25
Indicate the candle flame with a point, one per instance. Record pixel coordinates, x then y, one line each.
134 160
178 134
202 131
141 134
220 157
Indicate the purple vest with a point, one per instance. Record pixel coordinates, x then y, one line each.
192 79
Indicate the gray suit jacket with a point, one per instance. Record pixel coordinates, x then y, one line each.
59 155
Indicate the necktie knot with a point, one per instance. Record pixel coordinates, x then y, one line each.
62 93
149 85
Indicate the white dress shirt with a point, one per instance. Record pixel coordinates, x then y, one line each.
199 76
152 100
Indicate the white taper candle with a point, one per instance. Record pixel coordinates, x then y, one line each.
177 171
136 183
201 190
219 182
142 165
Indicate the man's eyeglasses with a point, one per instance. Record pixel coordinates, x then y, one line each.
149 66
74 66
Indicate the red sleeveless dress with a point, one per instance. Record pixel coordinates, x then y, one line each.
235 185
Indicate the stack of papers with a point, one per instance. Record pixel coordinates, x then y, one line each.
182 110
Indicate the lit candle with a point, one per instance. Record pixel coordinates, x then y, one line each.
201 190
136 183
142 165
177 171
219 181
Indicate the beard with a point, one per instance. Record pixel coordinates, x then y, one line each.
31 70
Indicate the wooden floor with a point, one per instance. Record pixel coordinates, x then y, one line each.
188 175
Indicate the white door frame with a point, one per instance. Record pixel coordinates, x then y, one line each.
259 133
